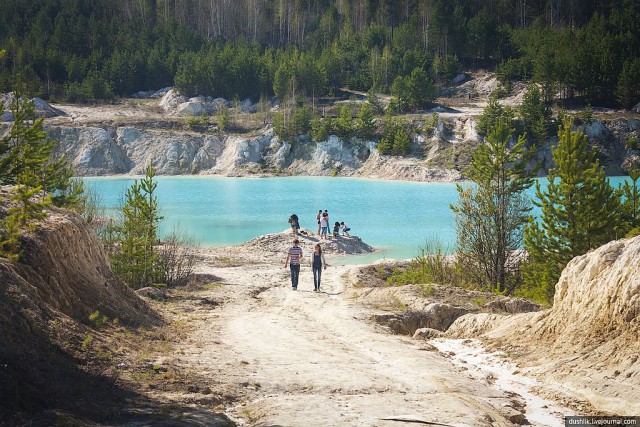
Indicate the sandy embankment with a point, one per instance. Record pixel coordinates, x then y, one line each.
316 359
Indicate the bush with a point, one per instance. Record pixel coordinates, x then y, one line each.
432 265
176 258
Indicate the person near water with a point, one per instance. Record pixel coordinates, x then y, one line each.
318 263
324 224
336 229
295 225
294 257
345 229
318 217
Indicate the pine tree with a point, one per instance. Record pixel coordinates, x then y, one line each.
26 161
580 211
344 123
490 215
366 122
630 203
135 261
385 145
492 114
401 142
536 116
27 147
627 91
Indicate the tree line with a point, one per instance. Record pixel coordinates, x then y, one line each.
83 50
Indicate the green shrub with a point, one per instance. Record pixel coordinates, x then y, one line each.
431 266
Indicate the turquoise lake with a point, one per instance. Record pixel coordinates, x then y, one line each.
393 216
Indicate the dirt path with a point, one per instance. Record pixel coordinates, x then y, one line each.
303 358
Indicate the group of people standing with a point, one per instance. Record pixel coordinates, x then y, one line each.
294 259
323 226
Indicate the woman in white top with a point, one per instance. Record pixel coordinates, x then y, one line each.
324 222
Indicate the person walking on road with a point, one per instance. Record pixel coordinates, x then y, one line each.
294 257
318 263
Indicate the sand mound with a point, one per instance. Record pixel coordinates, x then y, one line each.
280 242
589 340
45 303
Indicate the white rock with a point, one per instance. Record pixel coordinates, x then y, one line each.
171 100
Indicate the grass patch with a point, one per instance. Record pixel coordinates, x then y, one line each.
426 291
397 304
480 301
433 265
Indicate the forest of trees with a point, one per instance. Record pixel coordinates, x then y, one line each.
78 50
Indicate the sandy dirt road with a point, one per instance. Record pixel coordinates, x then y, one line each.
300 358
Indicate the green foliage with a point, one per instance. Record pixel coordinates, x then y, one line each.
401 142
385 145
26 160
98 320
413 92
401 90
198 122
396 138
633 141
492 114
580 211
280 125
26 147
224 117
10 238
321 128
630 202
376 104
365 123
135 259
87 342
513 70
344 123
431 123
432 265
490 214
535 115
627 91
300 121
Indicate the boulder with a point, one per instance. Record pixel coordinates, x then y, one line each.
151 94
247 106
191 108
427 333
594 129
42 108
171 100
